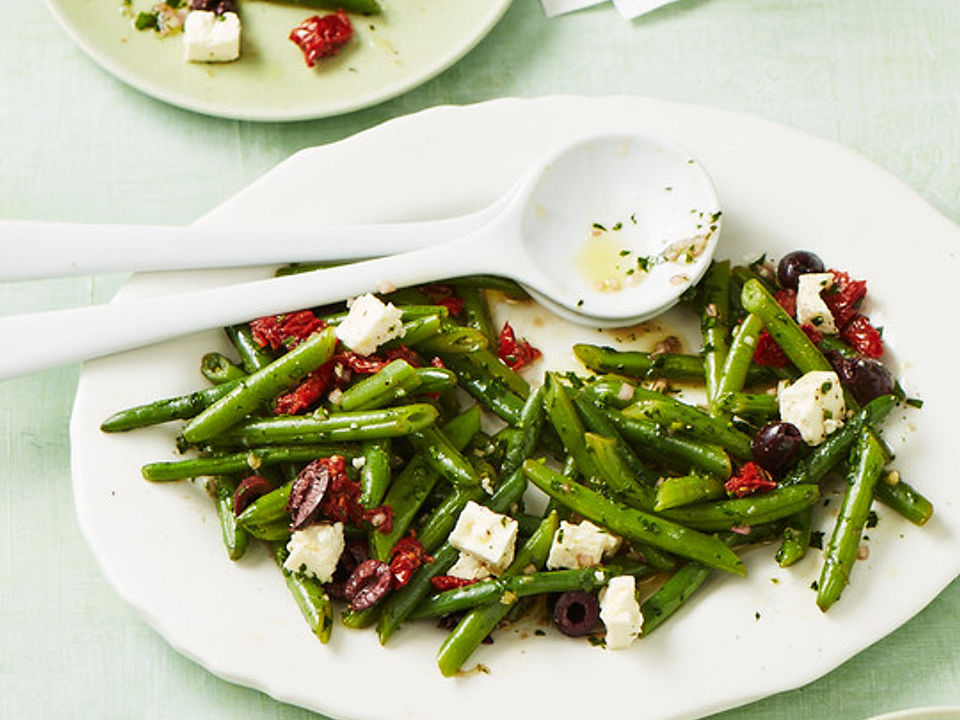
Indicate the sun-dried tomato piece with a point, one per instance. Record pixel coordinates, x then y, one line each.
368 584
749 479
308 393
844 297
440 294
322 37
863 336
437 363
405 558
285 331
402 352
360 364
514 353
788 301
248 490
769 353
449 582
309 490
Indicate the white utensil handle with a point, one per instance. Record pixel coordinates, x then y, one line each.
64 336
33 250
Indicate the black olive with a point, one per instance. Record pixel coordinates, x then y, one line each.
576 613
368 584
864 377
793 265
775 446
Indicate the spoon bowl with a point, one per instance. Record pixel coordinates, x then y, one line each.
608 230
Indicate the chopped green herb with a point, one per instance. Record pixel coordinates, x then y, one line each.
914 402
147 21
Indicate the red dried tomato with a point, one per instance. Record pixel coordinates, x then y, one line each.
788 301
863 337
285 331
844 297
437 363
402 352
321 37
768 352
308 393
449 582
749 479
405 558
440 294
514 353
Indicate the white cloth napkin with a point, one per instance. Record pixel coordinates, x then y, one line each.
629 9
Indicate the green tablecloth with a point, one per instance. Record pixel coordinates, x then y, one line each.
880 76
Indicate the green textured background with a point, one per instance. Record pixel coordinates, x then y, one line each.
880 76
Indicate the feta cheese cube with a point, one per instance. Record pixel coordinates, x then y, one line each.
370 324
814 404
315 551
208 37
580 546
620 612
467 567
811 309
488 536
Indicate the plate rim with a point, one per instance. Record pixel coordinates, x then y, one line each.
186 101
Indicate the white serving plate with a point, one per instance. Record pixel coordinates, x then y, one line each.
159 544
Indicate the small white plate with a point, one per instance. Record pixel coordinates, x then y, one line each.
391 53
780 190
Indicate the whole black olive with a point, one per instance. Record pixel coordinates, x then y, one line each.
576 613
797 263
775 445
864 377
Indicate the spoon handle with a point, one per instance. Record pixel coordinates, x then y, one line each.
63 336
34 250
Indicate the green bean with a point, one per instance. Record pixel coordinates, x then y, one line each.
252 356
491 282
645 365
739 360
490 391
616 473
796 538
835 448
741 274
234 536
751 510
480 622
522 442
268 509
632 524
435 380
454 339
674 416
841 552
489 363
563 416
375 472
160 411
676 492
670 450
240 462
261 386
442 519
418 331
896 493
278 531
218 369
311 597
444 458
759 407
504 589
335 427
783 328
359 619
714 325
395 380
476 313
599 422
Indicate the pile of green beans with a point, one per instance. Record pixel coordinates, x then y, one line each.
446 423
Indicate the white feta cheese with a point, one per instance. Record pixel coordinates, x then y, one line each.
811 309
580 546
315 551
208 37
488 536
467 567
620 612
814 403
370 324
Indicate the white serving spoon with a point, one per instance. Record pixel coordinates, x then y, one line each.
606 231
